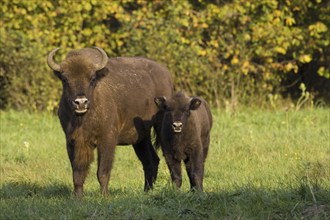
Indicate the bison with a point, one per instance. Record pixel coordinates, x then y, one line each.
185 136
107 102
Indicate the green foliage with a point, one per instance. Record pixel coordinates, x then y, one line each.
24 78
259 166
229 52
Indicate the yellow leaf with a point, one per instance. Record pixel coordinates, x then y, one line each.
290 21
276 21
246 64
306 58
88 6
184 40
120 43
321 71
202 52
204 25
185 22
234 60
288 67
214 43
269 60
280 50
277 13
247 37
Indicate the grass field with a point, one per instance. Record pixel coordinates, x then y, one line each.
261 165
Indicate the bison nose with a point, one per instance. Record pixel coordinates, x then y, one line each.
81 101
80 104
177 126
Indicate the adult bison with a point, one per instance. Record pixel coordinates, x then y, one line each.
185 136
108 102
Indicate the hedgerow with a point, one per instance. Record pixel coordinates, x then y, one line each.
229 52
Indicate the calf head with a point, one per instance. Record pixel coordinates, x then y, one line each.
79 73
177 110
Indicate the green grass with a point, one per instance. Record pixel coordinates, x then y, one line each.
261 165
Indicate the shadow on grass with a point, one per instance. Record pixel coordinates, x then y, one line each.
27 190
246 202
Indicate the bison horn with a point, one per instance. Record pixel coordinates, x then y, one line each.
50 61
104 61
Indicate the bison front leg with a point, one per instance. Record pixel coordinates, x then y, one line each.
105 158
174 167
79 176
195 171
80 158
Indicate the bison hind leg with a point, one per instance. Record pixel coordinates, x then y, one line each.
149 159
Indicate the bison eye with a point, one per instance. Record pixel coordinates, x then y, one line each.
187 112
64 80
93 80
168 109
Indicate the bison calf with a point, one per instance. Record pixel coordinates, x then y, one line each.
185 136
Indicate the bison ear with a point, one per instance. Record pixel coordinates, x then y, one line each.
102 73
58 74
160 102
195 103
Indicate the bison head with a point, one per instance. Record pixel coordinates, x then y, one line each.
79 73
177 110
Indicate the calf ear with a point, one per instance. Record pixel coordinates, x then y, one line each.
160 102
195 103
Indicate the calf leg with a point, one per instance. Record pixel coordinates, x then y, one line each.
206 147
195 171
175 169
149 159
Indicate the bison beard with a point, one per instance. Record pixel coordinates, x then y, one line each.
82 154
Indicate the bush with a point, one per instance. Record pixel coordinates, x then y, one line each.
229 52
24 78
